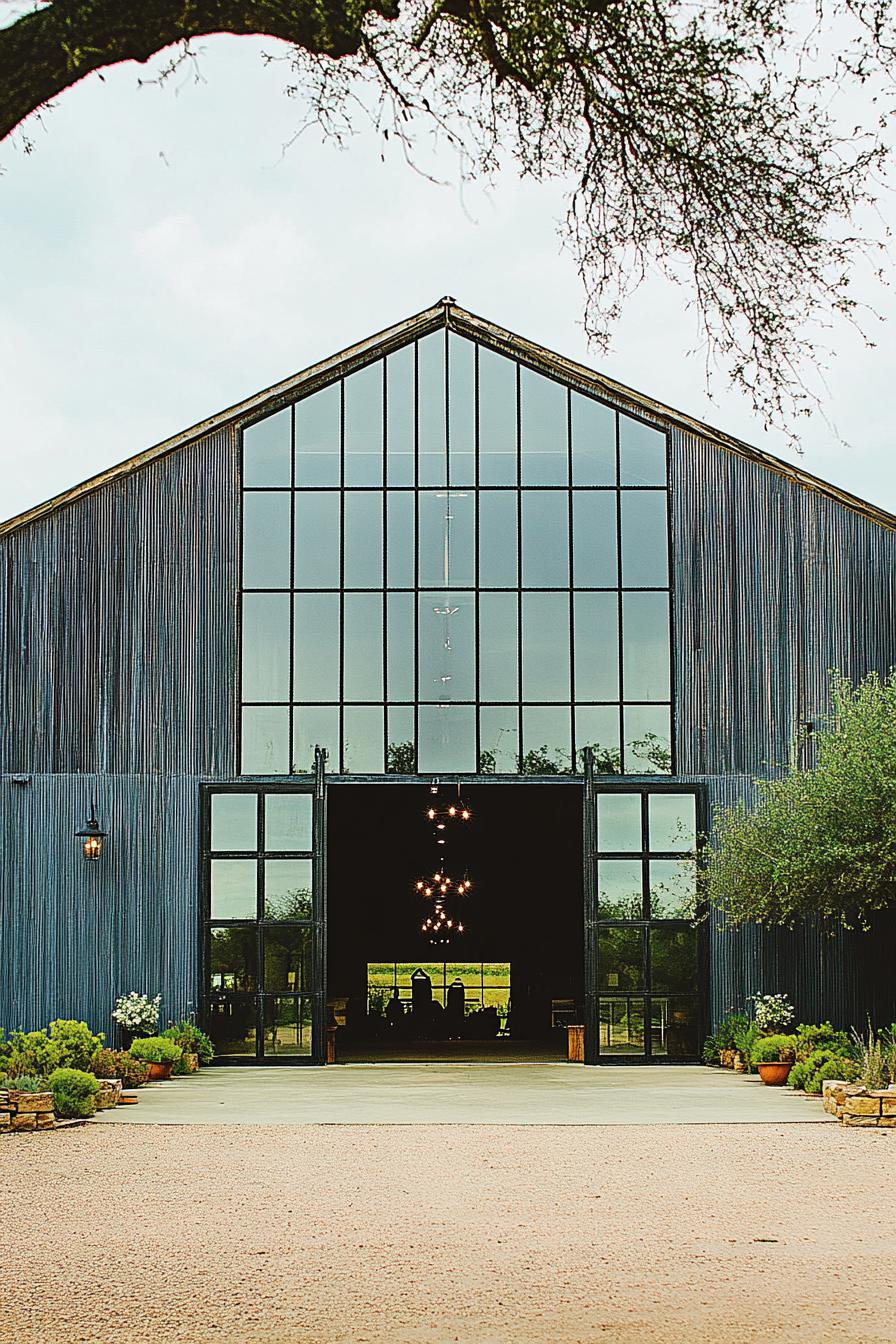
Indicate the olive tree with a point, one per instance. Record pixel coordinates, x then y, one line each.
819 841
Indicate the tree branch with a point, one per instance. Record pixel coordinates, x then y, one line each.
49 50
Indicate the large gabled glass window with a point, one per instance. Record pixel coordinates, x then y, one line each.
454 562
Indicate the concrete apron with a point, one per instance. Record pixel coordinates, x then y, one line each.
466 1094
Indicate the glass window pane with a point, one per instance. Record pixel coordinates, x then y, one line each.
234 821
673 958
642 453
545 539
498 539
622 1026
265 740
362 740
620 958
594 539
316 639
266 540
400 651
546 740
400 539
315 726
619 822
267 451
673 821
648 740
597 727
400 416
363 542
673 888
287 888
645 646
544 440
446 738
317 437
265 646
363 647
499 750
675 1025
401 751
446 634
497 419
447 538
230 1022
461 409
431 417
498 651
232 964
363 412
287 821
593 442
619 892
596 617
317 540
287 959
645 539
545 639
287 1026
233 884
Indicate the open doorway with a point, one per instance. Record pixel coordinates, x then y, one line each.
494 971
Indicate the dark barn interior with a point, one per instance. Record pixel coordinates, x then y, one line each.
520 954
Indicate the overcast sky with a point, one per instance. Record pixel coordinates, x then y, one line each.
162 258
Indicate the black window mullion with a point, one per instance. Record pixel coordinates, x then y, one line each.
341 715
572 634
619 630
521 745
476 578
416 549
385 574
292 586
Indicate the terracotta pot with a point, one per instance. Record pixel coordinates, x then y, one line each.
159 1072
774 1074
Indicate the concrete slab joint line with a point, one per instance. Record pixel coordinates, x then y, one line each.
439 1094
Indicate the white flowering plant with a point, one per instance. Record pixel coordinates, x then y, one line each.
137 1013
772 1012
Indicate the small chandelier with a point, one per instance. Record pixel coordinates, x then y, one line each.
439 927
441 885
442 813
92 836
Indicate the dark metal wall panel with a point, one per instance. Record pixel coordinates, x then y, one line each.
73 934
118 624
774 585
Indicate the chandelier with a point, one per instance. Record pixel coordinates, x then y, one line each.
439 926
446 812
441 885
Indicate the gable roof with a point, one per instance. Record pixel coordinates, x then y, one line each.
447 313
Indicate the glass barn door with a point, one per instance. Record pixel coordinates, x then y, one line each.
264 920
642 950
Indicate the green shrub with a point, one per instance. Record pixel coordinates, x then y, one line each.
745 1038
727 1029
711 1050
5 1050
773 1049
823 1064
820 1036
73 1093
798 1075
192 1040
156 1050
75 1042
29 1083
32 1053
120 1064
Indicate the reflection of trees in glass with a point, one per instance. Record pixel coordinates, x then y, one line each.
620 959
655 751
232 960
401 758
545 760
673 959
487 763
676 896
607 760
291 905
625 907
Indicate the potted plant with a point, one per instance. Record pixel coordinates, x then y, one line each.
773 1013
159 1053
196 1045
746 1034
137 1015
774 1057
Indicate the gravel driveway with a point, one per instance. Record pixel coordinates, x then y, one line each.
478 1234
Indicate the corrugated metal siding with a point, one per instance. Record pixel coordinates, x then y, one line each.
77 934
119 625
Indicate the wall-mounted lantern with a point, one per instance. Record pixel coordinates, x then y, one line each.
92 836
